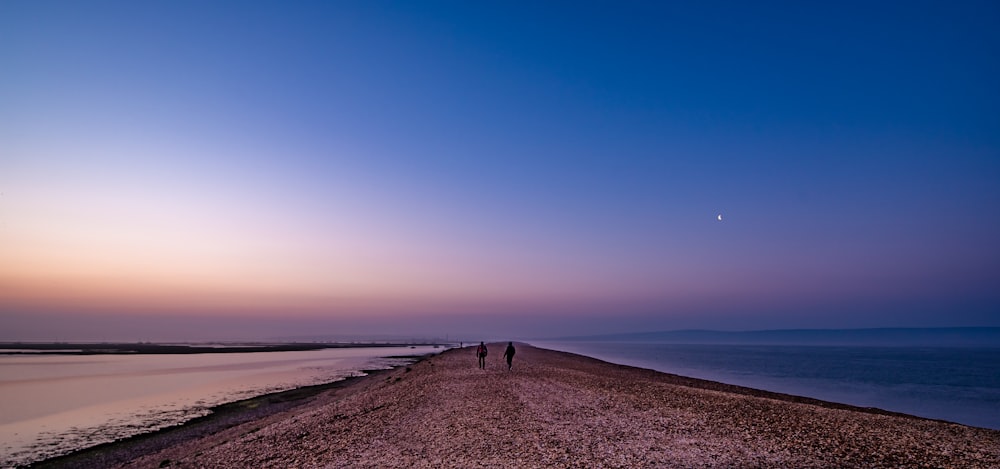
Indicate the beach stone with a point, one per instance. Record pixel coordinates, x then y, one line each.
562 410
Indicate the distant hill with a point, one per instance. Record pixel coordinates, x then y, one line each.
928 337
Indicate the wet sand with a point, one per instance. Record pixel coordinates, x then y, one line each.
561 410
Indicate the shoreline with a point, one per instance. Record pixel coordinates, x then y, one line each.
241 421
220 418
860 394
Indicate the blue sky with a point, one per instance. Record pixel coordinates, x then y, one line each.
364 166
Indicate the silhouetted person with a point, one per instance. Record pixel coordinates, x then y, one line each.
481 353
509 354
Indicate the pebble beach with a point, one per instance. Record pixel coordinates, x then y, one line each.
556 409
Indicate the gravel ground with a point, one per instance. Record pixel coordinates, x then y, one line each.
562 410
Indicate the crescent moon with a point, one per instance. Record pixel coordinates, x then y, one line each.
719 217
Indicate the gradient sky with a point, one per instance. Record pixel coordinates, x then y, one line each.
191 170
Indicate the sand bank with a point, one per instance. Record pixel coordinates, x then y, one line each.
562 410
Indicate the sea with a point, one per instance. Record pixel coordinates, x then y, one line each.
54 404
956 384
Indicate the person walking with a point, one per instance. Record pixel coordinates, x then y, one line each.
509 354
481 354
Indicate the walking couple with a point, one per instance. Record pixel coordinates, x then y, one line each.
481 353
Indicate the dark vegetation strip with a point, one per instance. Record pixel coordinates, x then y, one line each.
160 349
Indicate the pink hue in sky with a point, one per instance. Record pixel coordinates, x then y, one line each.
173 171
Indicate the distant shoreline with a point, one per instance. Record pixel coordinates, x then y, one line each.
146 348
984 336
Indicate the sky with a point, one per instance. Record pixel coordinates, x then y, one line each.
221 170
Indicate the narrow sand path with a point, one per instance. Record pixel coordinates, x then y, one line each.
562 410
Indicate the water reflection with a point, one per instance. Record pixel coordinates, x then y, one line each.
51 405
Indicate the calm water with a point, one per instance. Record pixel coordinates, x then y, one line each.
955 384
51 405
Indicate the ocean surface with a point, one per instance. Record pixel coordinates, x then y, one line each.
54 404
955 384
